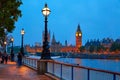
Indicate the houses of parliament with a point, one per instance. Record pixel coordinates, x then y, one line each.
57 46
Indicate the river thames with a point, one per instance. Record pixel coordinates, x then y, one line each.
103 64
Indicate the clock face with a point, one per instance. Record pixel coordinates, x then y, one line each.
76 34
80 34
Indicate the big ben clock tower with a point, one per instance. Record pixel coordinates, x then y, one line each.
78 37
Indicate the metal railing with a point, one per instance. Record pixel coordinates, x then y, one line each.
73 72
30 62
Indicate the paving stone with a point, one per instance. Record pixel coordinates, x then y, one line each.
11 71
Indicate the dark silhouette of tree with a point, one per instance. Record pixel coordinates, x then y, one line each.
9 14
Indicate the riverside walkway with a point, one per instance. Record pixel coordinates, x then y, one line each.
11 71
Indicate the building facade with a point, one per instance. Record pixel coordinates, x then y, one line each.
78 36
57 46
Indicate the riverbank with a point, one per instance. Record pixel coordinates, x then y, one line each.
94 56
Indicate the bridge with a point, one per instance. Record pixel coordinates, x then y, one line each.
54 71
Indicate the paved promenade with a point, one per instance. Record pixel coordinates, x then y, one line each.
11 71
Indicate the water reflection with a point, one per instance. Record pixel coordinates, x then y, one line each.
111 65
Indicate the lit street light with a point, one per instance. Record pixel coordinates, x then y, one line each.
5 43
12 40
46 52
12 53
22 49
5 40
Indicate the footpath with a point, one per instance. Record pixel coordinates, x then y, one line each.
11 71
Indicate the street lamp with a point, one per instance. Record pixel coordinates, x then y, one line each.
5 43
5 39
12 40
46 52
12 54
22 49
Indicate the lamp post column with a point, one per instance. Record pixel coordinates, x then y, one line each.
22 48
22 51
5 40
46 52
5 43
12 52
12 45
42 63
12 40
46 32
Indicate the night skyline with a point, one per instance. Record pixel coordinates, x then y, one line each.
97 19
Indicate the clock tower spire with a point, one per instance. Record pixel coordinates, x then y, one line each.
78 36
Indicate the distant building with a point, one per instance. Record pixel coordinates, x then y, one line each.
78 37
117 40
69 49
57 46
33 49
107 42
37 44
101 46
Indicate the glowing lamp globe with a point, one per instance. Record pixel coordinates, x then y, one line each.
22 32
46 11
12 39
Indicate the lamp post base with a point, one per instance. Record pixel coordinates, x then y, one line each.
46 52
42 66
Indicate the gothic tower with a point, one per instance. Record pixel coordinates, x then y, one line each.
78 36
53 40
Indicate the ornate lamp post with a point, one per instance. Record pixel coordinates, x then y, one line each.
5 40
46 52
22 49
5 43
12 40
12 54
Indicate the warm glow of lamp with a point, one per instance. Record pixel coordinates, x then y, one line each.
46 11
12 39
22 32
5 42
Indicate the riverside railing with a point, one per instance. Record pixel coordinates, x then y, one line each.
30 62
73 72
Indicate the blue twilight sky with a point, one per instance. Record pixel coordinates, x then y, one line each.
98 19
